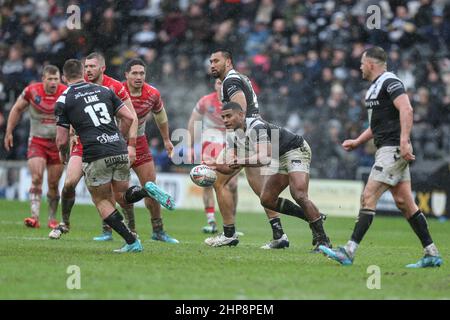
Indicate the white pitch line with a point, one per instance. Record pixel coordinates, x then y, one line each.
11 222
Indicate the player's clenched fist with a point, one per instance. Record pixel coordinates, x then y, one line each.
349 145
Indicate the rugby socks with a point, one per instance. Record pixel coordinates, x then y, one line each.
431 250
350 248
289 208
362 224
106 228
209 211
229 230
419 224
52 206
128 212
157 225
134 194
67 202
277 229
35 202
320 237
115 221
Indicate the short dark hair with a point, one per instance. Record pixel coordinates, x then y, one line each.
73 69
232 106
98 56
376 53
50 69
226 53
134 62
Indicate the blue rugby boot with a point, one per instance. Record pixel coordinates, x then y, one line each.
339 254
164 237
134 247
427 261
159 195
105 236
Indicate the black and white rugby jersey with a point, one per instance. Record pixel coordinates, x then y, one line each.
259 131
235 82
384 118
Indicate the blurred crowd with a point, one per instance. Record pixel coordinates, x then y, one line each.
303 57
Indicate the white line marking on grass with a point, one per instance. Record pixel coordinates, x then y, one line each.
11 222
27 238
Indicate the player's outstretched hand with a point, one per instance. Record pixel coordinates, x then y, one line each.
349 145
132 154
406 151
9 141
169 147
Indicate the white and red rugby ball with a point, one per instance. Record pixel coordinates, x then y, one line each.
203 176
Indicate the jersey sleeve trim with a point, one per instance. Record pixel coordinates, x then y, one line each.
64 125
119 107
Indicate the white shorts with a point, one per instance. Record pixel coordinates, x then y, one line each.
390 167
296 160
105 170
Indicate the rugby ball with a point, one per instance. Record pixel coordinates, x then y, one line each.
203 176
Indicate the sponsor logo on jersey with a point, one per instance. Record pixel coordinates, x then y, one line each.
372 103
394 86
86 93
121 159
37 99
231 89
105 138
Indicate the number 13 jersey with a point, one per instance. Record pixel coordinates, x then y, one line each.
90 109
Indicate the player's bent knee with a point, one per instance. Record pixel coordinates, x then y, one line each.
367 200
268 201
300 196
36 180
53 188
400 202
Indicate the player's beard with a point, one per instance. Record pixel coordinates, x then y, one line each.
215 74
364 75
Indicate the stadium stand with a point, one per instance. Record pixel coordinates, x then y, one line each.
302 56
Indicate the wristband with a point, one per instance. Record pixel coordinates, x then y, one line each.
132 142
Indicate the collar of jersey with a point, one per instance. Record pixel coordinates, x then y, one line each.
232 70
375 80
76 83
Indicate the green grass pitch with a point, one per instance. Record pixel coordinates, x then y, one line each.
34 267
